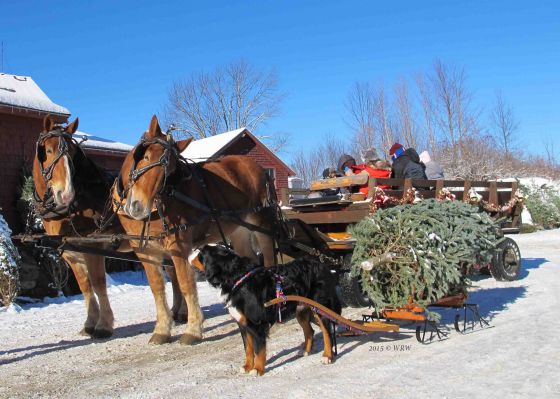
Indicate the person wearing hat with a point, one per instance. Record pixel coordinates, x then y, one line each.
433 170
406 163
348 166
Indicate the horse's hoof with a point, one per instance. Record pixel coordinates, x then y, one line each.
87 331
243 370
187 339
101 333
303 353
180 318
326 360
159 339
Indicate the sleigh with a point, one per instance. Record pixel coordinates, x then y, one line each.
325 218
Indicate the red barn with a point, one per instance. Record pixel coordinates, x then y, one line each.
240 142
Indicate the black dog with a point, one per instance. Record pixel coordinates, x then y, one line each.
246 287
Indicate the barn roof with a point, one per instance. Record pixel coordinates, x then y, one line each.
206 148
23 92
203 149
100 143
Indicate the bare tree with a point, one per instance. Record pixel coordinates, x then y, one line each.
405 119
385 124
237 95
548 144
309 165
504 123
361 108
456 117
428 111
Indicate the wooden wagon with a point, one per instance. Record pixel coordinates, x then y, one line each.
326 217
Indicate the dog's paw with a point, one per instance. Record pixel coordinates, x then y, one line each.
254 373
303 353
326 360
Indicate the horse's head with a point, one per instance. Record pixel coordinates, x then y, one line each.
146 169
53 166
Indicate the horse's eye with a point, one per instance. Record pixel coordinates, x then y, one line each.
49 151
146 158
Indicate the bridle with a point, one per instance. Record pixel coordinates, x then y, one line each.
169 150
46 206
63 150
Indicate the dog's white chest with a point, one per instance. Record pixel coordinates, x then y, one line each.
231 309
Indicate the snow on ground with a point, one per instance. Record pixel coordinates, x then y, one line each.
41 354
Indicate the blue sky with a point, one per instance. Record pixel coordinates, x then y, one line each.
112 62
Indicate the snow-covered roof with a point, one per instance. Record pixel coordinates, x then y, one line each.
23 92
204 149
97 142
201 150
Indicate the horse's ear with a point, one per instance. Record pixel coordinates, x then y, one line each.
48 123
71 128
181 145
154 129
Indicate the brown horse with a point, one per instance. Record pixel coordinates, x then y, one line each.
70 194
232 185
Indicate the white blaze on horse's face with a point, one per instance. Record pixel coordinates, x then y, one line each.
140 198
61 180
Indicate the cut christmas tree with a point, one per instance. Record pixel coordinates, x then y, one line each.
421 252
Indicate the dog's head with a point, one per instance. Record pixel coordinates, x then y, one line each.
220 265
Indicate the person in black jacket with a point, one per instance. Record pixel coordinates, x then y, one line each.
406 163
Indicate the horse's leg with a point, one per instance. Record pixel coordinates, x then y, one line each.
164 321
78 266
265 241
242 244
187 282
179 309
96 271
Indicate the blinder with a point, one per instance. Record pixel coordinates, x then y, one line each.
138 151
46 203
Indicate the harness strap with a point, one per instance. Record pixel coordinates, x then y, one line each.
244 278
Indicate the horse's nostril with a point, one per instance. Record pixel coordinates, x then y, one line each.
136 207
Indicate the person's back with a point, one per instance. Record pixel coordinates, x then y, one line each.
406 163
434 171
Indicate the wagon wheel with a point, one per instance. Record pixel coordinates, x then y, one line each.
506 263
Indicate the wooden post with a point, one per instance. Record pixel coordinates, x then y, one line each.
372 184
493 195
466 189
407 186
439 187
514 187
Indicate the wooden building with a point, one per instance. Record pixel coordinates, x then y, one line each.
240 142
